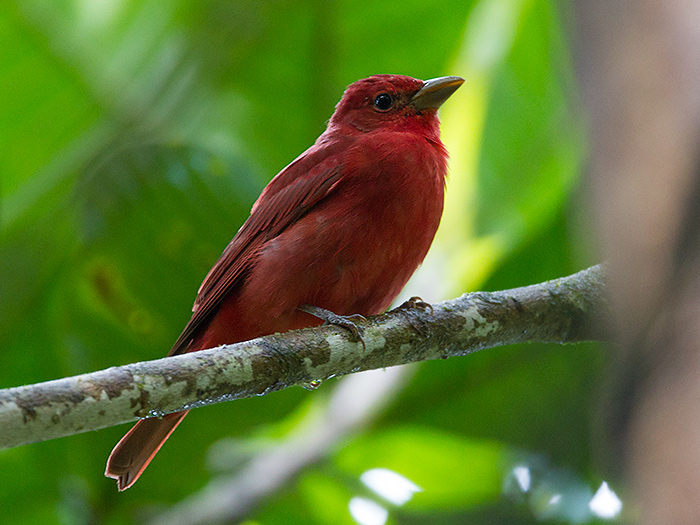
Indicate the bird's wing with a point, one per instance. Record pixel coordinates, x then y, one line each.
288 197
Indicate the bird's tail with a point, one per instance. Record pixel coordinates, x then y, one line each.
136 449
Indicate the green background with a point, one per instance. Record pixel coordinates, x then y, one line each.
134 137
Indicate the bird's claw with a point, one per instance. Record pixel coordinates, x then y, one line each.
343 321
408 310
416 302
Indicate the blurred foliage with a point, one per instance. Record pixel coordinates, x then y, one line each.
135 135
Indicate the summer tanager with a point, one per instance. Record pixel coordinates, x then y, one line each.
339 230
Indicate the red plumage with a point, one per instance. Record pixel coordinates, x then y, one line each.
343 227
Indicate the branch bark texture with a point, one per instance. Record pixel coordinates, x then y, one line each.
559 311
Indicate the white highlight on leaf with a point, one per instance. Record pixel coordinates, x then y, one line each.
390 485
605 503
367 512
522 476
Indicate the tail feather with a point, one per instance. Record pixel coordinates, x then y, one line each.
136 449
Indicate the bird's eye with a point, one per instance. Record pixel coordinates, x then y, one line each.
383 101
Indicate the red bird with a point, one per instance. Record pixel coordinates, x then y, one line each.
340 229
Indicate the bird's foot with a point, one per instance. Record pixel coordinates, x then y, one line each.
409 311
415 302
344 321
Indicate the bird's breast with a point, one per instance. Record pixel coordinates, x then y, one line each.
383 219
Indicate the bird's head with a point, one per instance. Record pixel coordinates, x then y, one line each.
394 102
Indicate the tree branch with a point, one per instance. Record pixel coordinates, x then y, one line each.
559 311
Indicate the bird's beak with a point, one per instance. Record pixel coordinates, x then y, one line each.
436 91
